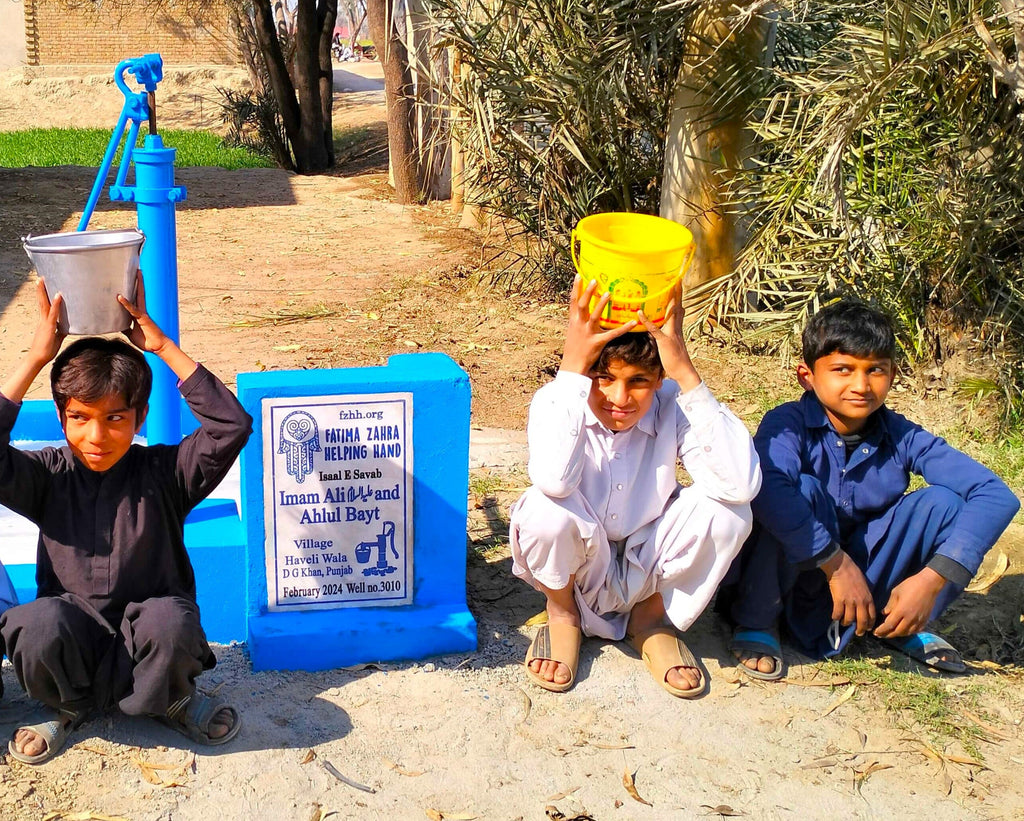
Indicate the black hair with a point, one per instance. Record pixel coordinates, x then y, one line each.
93 367
636 348
849 326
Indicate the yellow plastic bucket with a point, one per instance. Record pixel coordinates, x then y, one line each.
637 258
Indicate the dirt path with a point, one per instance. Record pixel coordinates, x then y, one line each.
278 271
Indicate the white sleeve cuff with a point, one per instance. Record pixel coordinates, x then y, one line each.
574 385
699 404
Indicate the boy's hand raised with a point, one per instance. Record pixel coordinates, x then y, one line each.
47 339
910 604
851 597
675 358
144 334
584 337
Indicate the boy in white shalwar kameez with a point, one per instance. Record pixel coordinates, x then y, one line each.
606 532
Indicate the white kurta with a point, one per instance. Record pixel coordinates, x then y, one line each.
607 508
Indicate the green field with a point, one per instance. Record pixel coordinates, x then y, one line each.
85 146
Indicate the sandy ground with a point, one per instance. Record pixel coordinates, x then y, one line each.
280 271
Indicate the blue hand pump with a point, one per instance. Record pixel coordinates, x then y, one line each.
154 195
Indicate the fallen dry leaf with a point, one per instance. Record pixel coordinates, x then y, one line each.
434 815
873 767
629 782
601 745
540 618
839 702
391 765
561 795
317 813
984 725
527 705
722 809
963 759
90 749
820 763
309 756
82 816
980 585
834 681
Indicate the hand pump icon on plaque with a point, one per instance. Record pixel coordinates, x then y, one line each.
385 539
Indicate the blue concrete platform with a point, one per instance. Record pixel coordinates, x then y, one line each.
437 620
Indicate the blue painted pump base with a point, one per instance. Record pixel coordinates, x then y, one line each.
328 639
437 620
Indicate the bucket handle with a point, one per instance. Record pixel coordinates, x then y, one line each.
659 294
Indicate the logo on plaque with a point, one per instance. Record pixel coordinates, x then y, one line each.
338 501
299 440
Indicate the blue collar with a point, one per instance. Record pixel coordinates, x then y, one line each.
815 417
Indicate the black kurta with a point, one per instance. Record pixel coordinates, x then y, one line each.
111 547
117 537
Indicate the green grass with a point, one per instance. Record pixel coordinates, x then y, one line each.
85 146
917 702
482 485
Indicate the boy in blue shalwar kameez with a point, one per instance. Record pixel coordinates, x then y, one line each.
839 548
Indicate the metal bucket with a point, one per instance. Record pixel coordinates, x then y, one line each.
90 268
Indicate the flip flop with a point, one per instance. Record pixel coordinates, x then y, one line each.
555 641
54 732
192 715
758 642
662 649
928 648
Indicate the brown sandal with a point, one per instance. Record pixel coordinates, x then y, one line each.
559 642
661 649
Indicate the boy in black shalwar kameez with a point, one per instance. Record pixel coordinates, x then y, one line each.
115 622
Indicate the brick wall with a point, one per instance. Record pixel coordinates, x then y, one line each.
90 32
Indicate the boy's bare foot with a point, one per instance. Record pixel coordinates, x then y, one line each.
28 742
203 718
758 651
648 615
221 723
36 743
753 661
549 669
561 609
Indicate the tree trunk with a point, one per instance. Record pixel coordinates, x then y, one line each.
354 32
432 80
399 95
277 70
458 196
305 105
327 13
702 151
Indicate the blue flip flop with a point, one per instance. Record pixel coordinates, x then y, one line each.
928 648
762 643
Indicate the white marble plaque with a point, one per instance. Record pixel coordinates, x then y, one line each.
338 482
